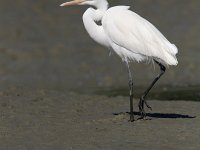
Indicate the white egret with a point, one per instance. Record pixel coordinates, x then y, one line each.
132 37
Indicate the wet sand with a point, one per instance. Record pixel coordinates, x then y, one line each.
52 120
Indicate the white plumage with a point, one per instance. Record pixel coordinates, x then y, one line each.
129 33
132 37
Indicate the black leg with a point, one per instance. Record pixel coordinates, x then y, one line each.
131 92
142 99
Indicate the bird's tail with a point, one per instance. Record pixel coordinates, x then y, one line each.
170 55
172 49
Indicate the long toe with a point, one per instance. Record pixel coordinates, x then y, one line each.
141 108
131 119
142 114
148 106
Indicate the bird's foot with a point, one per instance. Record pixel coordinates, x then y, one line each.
141 107
131 118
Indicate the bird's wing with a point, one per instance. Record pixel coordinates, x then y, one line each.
129 30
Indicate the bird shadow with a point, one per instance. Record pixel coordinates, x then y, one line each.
160 115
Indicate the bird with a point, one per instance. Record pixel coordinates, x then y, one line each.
131 37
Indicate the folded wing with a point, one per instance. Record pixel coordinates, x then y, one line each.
129 30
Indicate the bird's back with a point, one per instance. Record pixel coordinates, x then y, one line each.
130 31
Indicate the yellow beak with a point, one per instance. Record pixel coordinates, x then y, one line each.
74 2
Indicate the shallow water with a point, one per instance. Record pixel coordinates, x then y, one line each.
45 46
191 93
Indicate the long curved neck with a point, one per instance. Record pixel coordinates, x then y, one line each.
96 32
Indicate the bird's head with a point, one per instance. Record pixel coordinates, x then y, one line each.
96 3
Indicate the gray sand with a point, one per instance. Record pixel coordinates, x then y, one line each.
60 121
